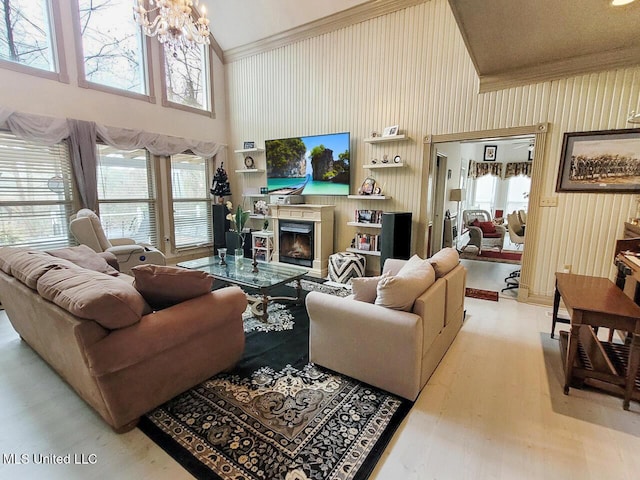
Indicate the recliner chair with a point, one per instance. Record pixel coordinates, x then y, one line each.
87 229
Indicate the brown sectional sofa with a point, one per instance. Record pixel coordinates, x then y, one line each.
102 337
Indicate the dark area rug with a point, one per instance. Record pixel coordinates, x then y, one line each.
481 294
276 416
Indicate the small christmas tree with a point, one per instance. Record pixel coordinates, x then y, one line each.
220 185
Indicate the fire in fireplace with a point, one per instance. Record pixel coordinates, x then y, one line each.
296 243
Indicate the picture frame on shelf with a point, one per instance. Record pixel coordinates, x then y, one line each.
600 161
368 187
248 145
391 131
490 152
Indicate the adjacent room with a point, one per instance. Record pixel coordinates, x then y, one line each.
308 240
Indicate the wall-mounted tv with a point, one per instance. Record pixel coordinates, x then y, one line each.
314 165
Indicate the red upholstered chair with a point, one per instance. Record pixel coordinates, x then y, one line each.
482 231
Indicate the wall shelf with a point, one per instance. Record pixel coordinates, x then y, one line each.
249 150
368 197
365 225
392 138
363 252
250 170
384 165
254 195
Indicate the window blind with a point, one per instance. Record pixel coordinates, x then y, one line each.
191 204
127 194
36 194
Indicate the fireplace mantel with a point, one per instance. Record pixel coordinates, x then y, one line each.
322 218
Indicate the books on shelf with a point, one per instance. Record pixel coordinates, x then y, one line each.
367 242
368 216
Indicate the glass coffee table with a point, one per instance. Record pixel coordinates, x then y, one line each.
260 276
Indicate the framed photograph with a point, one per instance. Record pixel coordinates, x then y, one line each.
390 131
600 161
490 152
249 145
368 187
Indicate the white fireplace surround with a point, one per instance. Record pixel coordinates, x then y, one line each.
322 218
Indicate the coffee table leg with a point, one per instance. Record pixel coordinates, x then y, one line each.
298 292
265 301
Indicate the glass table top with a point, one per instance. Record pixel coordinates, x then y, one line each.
239 271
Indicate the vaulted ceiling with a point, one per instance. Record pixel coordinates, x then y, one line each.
510 42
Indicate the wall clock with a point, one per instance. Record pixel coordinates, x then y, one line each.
249 163
396 159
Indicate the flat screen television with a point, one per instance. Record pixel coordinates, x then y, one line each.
314 165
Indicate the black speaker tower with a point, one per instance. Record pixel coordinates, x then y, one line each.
395 237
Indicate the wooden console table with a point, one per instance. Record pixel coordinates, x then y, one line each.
597 302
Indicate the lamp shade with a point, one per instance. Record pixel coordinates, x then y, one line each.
457 194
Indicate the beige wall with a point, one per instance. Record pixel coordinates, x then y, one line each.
26 93
411 68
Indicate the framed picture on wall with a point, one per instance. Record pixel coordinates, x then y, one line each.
601 161
490 152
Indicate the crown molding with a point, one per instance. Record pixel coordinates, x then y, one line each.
358 14
597 62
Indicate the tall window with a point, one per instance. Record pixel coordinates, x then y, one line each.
36 194
127 194
191 203
113 52
518 193
485 190
187 78
26 33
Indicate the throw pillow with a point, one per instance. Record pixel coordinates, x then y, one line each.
163 286
399 292
85 257
444 261
365 288
92 295
486 227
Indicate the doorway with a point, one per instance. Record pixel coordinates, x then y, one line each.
506 188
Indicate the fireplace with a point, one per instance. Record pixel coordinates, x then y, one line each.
296 243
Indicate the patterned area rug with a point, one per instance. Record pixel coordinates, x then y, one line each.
505 256
276 416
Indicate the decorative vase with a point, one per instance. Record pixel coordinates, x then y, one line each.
239 252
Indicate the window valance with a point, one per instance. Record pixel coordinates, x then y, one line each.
480 169
82 137
511 169
49 130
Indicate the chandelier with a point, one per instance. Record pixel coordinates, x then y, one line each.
172 22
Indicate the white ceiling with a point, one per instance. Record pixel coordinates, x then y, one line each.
239 22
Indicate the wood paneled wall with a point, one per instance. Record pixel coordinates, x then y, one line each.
411 68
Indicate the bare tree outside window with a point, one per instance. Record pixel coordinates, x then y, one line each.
25 33
112 45
186 74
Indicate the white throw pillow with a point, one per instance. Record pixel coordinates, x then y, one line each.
399 292
444 261
365 288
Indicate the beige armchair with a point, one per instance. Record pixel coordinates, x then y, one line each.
87 229
482 230
394 350
516 230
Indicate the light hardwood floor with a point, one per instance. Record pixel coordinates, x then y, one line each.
494 409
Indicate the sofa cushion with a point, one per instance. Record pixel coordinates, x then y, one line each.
365 288
444 261
164 286
85 257
400 291
29 265
6 254
84 293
